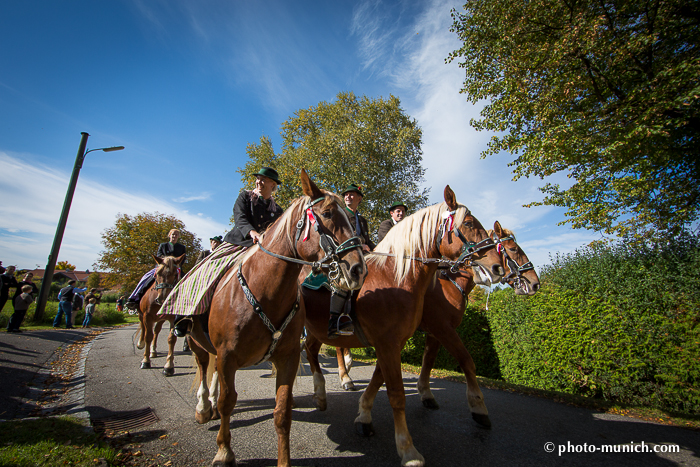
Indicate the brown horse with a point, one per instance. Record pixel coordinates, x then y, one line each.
165 279
390 304
443 311
252 316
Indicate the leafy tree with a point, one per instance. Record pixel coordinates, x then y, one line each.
128 246
64 266
371 142
605 91
93 281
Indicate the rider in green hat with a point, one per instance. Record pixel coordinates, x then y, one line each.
397 212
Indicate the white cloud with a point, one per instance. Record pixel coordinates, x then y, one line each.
186 199
33 198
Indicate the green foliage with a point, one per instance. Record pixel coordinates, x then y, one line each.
64 266
371 142
128 246
618 322
606 92
93 281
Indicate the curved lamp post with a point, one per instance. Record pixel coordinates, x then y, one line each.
51 265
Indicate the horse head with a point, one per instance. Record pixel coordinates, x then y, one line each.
166 275
464 237
324 234
520 273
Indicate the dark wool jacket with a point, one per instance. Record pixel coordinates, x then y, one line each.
384 229
169 249
248 216
364 227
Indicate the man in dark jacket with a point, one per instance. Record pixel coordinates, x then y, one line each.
171 248
65 304
353 197
7 281
397 211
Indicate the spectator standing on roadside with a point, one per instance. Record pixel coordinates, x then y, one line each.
93 294
7 281
89 311
120 303
21 304
65 304
28 279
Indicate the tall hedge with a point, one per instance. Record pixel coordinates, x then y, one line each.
618 322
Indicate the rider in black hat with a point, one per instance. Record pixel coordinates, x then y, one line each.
397 212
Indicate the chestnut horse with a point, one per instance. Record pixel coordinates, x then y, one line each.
443 311
165 279
390 304
252 316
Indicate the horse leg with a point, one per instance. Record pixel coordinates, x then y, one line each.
148 326
203 410
286 373
169 367
214 397
343 368
156 333
475 398
227 401
432 346
390 363
312 347
142 333
363 422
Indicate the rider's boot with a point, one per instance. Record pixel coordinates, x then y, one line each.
132 304
340 324
186 345
183 326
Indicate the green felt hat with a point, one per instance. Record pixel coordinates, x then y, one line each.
355 188
269 173
217 239
396 205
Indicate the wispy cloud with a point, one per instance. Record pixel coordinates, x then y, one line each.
32 203
186 199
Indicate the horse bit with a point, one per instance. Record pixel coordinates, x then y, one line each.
332 251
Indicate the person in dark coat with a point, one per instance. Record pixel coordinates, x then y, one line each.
7 281
65 304
171 248
213 242
18 315
353 197
397 211
253 212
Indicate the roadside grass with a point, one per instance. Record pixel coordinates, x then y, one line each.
52 441
643 413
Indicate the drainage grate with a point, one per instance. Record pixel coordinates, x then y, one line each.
123 421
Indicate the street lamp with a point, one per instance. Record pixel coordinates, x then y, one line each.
53 256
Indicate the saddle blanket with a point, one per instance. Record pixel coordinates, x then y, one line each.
193 294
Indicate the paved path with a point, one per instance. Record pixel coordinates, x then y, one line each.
522 425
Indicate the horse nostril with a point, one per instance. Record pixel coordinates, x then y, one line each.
498 270
535 286
356 272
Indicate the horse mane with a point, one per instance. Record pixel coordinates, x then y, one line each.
415 235
280 230
168 264
506 232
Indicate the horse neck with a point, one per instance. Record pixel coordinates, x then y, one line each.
268 276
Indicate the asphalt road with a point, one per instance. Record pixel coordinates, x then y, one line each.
522 425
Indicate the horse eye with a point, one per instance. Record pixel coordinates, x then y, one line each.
327 214
513 249
468 224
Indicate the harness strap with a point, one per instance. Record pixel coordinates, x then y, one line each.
461 290
276 333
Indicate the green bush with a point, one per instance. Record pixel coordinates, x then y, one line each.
618 322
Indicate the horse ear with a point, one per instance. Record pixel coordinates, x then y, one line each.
309 187
180 259
498 229
158 259
450 198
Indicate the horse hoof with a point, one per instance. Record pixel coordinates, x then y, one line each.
168 371
349 386
364 429
430 404
203 418
215 415
482 420
146 366
154 354
320 404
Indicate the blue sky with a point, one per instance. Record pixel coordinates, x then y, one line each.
185 86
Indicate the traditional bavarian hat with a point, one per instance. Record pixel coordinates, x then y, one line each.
355 188
396 205
269 173
217 239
